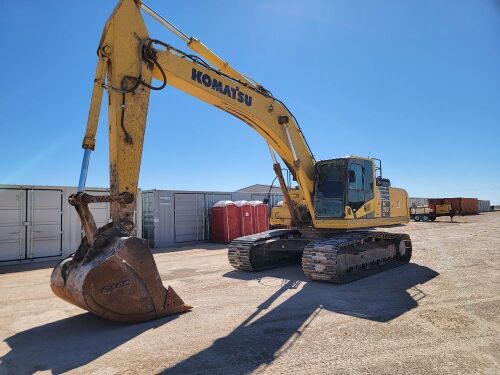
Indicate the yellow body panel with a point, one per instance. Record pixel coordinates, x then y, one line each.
399 214
280 215
400 203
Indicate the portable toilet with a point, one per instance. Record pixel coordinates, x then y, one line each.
260 216
226 223
246 217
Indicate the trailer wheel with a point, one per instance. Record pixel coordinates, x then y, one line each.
425 218
417 218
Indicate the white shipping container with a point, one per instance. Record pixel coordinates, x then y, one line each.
172 216
484 206
38 223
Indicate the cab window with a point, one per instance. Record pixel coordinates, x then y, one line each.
368 180
356 194
330 191
356 177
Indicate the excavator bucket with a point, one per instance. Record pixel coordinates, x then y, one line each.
118 281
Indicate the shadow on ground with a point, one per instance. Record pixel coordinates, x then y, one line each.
22 267
76 341
69 343
258 339
190 246
51 263
447 222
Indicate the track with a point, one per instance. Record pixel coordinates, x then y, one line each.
353 255
250 253
342 258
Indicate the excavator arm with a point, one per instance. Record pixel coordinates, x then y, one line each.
113 274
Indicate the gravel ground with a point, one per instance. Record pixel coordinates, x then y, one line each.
438 314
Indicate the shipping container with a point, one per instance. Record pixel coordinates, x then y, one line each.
38 223
461 206
469 206
174 216
226 222
484 206
260 216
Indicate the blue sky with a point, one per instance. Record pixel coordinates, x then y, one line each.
415 83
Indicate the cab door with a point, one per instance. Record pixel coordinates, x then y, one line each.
360 185
356 193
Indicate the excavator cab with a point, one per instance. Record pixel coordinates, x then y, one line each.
343 185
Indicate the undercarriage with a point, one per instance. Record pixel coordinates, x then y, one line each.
337 257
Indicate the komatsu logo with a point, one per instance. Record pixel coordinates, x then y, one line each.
111 287
232 92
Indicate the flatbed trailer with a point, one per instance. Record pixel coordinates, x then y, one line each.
431 212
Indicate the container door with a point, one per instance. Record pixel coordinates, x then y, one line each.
44 231
189 217
164 220
148 212
12 228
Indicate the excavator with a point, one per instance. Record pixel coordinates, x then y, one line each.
335 208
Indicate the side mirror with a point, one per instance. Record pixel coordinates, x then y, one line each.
265 200
352 176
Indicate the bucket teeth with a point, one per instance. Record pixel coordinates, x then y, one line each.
174 304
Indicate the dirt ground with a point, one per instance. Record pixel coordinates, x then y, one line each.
438 314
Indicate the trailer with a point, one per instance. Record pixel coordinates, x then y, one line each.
431 212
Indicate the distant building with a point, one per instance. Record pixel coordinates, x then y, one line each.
260 188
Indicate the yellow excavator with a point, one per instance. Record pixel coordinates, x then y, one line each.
333 209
